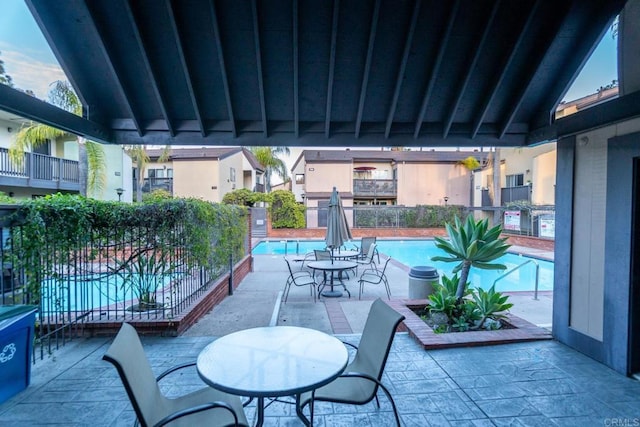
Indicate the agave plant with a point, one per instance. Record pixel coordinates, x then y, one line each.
471 244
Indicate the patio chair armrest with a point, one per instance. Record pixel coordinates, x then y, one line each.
350 345
204 407
173 369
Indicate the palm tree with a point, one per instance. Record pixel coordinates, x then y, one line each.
91 158
471 244
139 155
268 157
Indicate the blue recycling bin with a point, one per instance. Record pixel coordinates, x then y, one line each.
17 327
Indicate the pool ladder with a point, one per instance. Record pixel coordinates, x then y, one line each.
535 292
286 242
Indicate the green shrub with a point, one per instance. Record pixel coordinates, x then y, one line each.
285 212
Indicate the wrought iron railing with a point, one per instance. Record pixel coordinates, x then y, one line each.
375 188
39 167
93 283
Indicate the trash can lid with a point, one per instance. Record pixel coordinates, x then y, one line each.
8 311
424 272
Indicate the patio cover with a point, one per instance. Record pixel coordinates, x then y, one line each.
317 72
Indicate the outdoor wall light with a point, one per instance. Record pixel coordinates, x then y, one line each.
446 199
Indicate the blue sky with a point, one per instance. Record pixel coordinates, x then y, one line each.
32 65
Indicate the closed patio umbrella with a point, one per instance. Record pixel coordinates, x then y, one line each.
338 230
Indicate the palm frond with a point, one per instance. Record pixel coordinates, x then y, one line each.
97 167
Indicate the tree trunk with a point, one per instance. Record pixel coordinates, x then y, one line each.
83 166
464 275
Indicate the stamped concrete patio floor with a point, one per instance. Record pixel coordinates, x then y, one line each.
523 384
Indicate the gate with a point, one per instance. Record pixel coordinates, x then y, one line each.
258 222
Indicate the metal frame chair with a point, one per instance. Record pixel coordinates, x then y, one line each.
359 383
365 243
375 277
206 406
299 278
368 261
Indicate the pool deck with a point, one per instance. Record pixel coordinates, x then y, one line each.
525 384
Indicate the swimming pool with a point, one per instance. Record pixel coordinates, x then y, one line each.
419 252
84 293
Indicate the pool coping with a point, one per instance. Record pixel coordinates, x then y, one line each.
523 331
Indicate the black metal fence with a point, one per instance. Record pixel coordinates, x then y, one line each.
128 273
395 216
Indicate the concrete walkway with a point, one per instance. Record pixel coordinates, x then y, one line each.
529 384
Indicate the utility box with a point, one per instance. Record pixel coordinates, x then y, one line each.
17 325
421 281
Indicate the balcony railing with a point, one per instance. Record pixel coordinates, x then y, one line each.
516 194
375 188
508 195
152 184
39 171
259 188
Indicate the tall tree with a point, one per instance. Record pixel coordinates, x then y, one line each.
268 157
140 157
5 78
91 157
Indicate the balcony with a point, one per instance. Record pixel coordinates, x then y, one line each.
521 193
259 188
152 184
39 171
375 188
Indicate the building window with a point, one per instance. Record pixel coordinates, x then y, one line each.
232 174
299 178
516 180
169 173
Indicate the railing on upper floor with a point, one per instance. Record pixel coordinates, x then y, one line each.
375 188
515 194
50 172
152 184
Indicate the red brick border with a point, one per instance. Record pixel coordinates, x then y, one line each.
423 333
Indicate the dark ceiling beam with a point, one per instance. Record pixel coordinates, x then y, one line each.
112 69
477 50
444 42
256 40
296 69
32 108
403 67
367 66
315 139
535 62
599 25
506 64
223 67
606 114
153 80
332 66
185 68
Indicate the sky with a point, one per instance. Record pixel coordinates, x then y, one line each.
31 64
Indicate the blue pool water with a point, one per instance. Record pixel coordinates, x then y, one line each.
419 252
82 293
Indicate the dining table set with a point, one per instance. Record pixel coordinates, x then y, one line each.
272 362
333 270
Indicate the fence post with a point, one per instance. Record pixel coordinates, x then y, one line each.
230 274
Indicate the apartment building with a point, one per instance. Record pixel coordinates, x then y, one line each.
207 173
53 167
381 178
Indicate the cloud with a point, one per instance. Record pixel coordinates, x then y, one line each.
28 72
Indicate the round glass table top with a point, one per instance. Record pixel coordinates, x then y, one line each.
272 361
